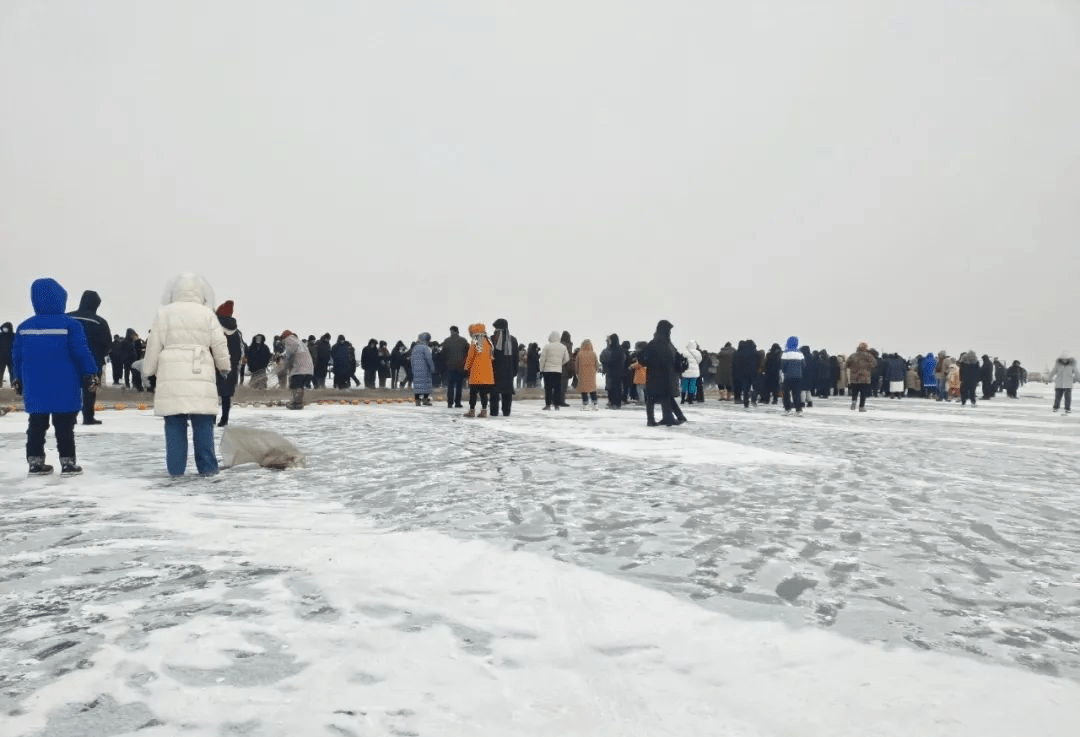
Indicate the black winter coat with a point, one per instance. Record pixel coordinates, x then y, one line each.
7 338
660 359
258 354
504 363
98 335
745 362
369 358
226 385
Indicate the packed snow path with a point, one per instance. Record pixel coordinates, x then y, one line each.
716 565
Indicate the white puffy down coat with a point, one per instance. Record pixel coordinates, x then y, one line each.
185 350
553 356
693 359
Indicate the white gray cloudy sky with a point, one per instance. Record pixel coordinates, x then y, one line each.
905 172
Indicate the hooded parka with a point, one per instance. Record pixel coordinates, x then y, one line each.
185 349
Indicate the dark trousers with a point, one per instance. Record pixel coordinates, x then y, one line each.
1067 394
63 428
320 377
744 391
793 394
967 392
670 414
860 392
455 383
481 391
507 399
226 405
117 372
5 365
88 401
552 388
369 378
615 391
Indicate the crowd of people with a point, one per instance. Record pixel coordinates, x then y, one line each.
194 357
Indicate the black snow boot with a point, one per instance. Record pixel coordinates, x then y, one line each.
68 467
38 467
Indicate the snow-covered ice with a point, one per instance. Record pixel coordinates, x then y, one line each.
911 571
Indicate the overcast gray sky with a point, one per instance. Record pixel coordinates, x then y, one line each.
899 171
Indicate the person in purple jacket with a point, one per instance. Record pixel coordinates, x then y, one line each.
52 365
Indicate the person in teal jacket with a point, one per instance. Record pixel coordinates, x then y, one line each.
52 364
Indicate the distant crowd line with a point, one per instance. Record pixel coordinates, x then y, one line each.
194 357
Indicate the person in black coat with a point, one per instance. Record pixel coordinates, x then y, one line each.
132 352
504 359
986 374
613 361
321 356
969 377
369 362
532 365
116 358
226 385
7 339
743 371
339 356
772 374
99 338
258 360
661 381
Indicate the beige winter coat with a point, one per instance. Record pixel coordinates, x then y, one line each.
587 365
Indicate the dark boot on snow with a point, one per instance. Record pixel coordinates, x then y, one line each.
68 467
38 467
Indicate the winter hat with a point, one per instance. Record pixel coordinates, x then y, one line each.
286 333
501 324
664 327
792 344
864 346
226 309
476 328
423 337
553 336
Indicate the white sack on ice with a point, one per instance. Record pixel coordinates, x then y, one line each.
248 445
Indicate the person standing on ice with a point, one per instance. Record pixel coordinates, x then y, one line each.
99 338
553 357
226 385
300 366
586 366
1013 376
186 350
478 365
423 368
1064 374
614 363
52 365
792 365
662 361
504 362
929 375
969 377
860 366
454 350
7 339
688 380
258 360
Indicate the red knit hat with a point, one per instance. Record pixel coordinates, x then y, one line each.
226 309
286 334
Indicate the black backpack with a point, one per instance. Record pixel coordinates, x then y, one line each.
682 363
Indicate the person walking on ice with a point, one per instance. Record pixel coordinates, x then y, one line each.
1064 374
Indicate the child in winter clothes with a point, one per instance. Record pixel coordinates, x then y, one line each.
478 365
51 365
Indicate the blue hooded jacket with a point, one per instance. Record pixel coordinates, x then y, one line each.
50 354
792 362
929 381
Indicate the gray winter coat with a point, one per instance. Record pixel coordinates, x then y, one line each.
422 366
1065 373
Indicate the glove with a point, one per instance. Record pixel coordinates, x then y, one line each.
17 386
91 383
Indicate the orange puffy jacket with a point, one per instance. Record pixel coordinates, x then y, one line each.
478 364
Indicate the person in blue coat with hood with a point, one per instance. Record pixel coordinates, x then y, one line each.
792 364
929 380
51 365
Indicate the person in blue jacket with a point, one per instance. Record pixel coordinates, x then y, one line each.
792 365
52 364
929 380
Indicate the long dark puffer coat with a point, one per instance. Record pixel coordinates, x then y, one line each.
504 357
258 354
226 386
660 356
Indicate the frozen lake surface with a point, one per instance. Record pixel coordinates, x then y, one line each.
911 570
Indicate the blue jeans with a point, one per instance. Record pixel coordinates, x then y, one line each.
176 445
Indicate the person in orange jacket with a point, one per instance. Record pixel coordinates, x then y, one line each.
478 365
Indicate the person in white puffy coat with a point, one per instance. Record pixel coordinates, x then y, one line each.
185 350
552 359
689 378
